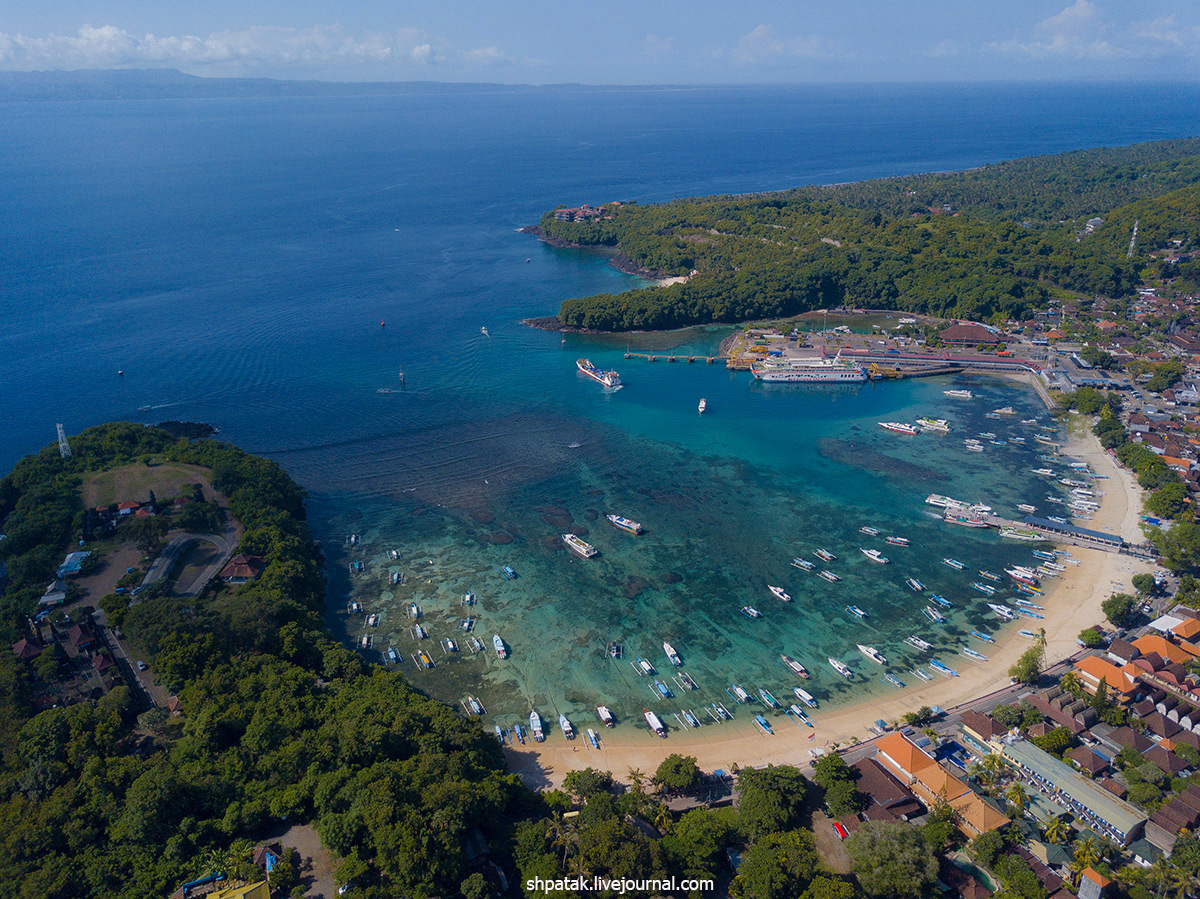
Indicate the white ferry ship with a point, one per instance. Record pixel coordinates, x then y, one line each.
579 546
899 427
609 379
935 424
959 394
624 524
809 371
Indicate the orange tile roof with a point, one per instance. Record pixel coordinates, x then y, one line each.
940 782
980 816
1187 629
1118 679
1164 647
903 755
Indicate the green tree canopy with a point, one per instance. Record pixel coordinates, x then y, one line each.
678 772
892 860
777 866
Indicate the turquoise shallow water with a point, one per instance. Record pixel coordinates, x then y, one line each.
727 499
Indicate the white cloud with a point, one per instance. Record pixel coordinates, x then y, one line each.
946 49
1080 32
256 48
657 49
765 44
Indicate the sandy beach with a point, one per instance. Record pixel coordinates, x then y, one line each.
1072 603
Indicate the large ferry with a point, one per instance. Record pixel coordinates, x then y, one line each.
899 427
577 545
619 521
934 424
810 371
959 394
607 378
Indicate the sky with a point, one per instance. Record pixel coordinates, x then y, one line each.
616 42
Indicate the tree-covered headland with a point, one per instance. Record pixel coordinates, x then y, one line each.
996 241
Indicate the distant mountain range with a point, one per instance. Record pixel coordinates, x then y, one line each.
171 84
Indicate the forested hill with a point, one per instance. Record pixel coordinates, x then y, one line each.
1000 240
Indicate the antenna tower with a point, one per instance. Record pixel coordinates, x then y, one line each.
64 448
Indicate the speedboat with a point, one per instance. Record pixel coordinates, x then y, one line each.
875 556
702 406
779 593
565 725
501 649
840 668
672 654
918 643
873 654
856 612
606 716
624 524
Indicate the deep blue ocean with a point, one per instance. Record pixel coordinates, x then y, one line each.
235 258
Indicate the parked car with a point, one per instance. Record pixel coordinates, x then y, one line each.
141 665
841 832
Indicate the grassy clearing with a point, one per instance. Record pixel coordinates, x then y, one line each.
135 482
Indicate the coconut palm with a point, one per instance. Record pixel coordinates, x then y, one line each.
1158 875
1087 855
1071 683
239 853
1018 796
1057 830
1180 883
993 765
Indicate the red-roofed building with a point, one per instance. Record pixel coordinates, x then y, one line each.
128 507
25 650
968 335
242 568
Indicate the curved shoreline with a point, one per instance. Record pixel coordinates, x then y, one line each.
1072 604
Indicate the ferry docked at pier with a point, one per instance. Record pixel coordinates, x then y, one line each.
624 524
579 546
609 379
1015 533
809 371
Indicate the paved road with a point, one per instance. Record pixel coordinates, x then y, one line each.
172 551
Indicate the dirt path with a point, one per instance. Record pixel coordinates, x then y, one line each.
316 862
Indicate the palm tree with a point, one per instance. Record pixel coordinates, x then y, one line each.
1159 875
1180 883
1071 683
1057 830
637 779
1041 640
1087 855
239 853
993 765
1018 796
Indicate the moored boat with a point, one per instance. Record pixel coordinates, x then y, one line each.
645 667
738 693
944 669
655 724
702 406
507 571
762 723
979 635
803 564
934 615
609 379
805 697
565 726
768 700
535 726
593 739
959 394
941 600
672 655
824 555
624 524
751 612
498 644
922 675
1025 507
800 715
914 584
779 593
794 666
1029 635
809 371
606 716
894 681
873 654
829 576
934 424
899 427
1003 611
856 611
577 545
972 654
897 541
964 519
869 531
983 588
954 563
875 555
840 668
989 575
917 642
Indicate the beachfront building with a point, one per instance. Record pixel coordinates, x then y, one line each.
1121 682
1100 809
1056 530
932 783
